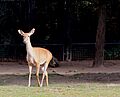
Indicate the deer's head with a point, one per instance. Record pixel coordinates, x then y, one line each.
26 36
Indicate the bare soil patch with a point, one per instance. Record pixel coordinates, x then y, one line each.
16 73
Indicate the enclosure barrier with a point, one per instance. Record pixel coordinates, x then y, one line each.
18 52
86 51
77 51
82 51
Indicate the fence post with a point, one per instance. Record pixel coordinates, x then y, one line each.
63 53
68 54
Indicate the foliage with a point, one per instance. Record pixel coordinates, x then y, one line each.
75 19
48 17
113 53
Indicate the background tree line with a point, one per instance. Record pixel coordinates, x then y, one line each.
61 21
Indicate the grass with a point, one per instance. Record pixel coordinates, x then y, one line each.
62 90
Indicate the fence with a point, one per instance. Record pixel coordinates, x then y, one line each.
78 51
18 52
84 51
112 51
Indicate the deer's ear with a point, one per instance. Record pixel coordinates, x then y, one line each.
21 32
32 31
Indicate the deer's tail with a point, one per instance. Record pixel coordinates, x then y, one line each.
54 62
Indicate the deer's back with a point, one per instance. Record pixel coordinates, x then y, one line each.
42 55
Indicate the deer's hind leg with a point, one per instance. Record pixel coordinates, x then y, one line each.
44 70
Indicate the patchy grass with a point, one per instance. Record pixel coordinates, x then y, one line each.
79 85
62 90
69 80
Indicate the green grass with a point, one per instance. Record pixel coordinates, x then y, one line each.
62 90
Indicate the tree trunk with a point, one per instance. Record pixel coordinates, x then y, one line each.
67 29
100 37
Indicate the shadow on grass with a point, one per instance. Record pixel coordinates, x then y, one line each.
62 79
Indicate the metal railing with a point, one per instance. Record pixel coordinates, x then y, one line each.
83 51
78 51
18 52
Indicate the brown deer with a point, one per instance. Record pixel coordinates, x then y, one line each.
36 56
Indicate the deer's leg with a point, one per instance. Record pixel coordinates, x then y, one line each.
46 78
37 74
30 72
44 69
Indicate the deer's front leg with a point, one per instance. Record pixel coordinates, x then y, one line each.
37 74
30 72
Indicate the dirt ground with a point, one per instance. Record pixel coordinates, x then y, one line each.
16 73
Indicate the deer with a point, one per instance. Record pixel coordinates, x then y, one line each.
36 56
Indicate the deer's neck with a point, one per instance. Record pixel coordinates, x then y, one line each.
29 47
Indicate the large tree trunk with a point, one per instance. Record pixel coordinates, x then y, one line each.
100 37
67 29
